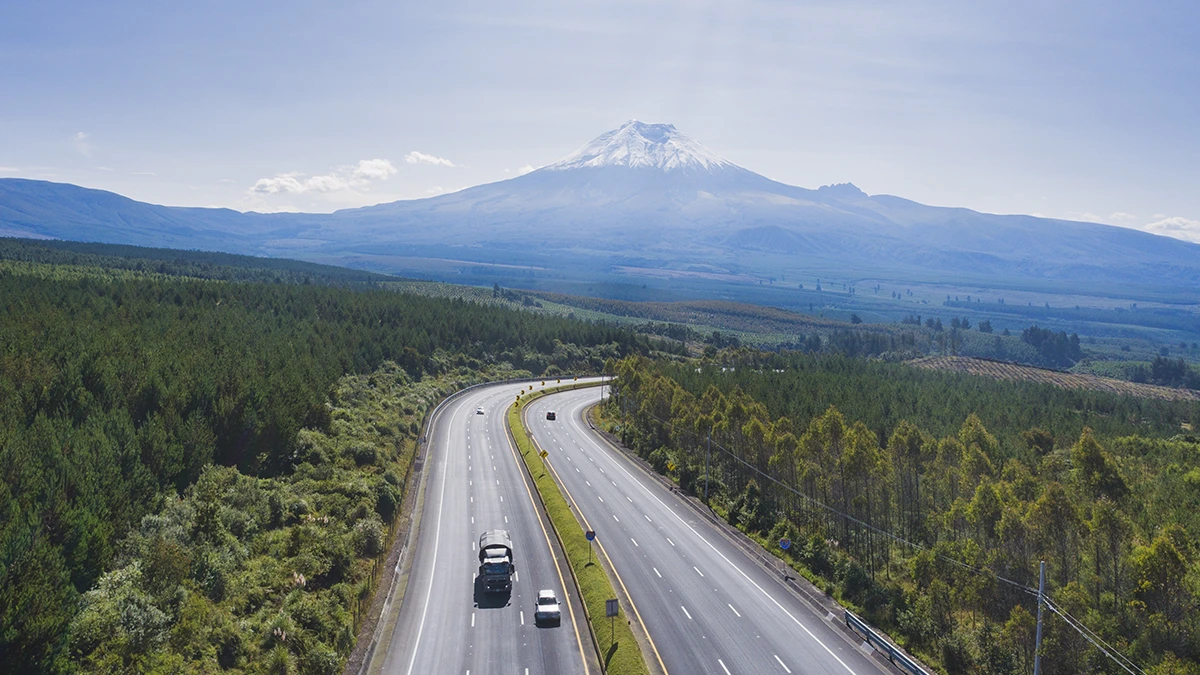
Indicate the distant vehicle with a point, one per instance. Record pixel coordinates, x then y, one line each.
496 561
547 608
479 410
551 415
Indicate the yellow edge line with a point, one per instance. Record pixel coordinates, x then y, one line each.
562 486
561 580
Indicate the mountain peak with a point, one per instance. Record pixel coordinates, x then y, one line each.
842 191
639 145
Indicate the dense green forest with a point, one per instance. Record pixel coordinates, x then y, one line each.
120 389
172 262
925 500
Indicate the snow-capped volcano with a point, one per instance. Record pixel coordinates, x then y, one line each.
644 192
639 145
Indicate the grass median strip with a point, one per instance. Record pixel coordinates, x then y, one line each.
620 652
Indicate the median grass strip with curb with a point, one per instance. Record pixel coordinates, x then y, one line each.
620 654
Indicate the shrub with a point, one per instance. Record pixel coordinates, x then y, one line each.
368 537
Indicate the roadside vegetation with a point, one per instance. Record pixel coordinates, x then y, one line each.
264 574
925 500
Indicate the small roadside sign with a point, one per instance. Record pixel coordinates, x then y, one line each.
610 610
785 543
543 454
670 466
591 535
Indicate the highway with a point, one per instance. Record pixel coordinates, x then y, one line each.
707 606
474 483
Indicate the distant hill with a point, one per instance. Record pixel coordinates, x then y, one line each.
173 262
640 200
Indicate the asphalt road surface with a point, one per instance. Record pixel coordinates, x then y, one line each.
708 607
447 626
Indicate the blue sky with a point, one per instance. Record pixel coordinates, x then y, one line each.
1083 110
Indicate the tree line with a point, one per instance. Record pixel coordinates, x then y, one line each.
927 502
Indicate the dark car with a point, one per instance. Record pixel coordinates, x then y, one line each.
550 415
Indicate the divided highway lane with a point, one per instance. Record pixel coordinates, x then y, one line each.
446 626
708 607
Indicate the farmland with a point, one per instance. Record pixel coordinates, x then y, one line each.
1012 371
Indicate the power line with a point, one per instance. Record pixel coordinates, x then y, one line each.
1091 636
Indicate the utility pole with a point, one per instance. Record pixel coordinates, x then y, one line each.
1037 653
707 458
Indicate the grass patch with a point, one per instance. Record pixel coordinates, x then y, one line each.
620 654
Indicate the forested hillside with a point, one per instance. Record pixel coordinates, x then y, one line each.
196 264
926 499
119 390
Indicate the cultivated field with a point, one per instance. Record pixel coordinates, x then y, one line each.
1012 371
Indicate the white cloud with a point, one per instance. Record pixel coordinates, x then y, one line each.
524 170
1122 217
104 168
374 169
416 157
81 143
341 179
1177 227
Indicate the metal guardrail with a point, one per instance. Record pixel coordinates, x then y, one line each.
897 657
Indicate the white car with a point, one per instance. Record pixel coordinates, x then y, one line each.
479 410
547 608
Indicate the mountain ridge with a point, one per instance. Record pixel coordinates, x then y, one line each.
641 187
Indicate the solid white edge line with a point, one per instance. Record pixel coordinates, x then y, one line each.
437 538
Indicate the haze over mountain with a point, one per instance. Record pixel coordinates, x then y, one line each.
641 197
